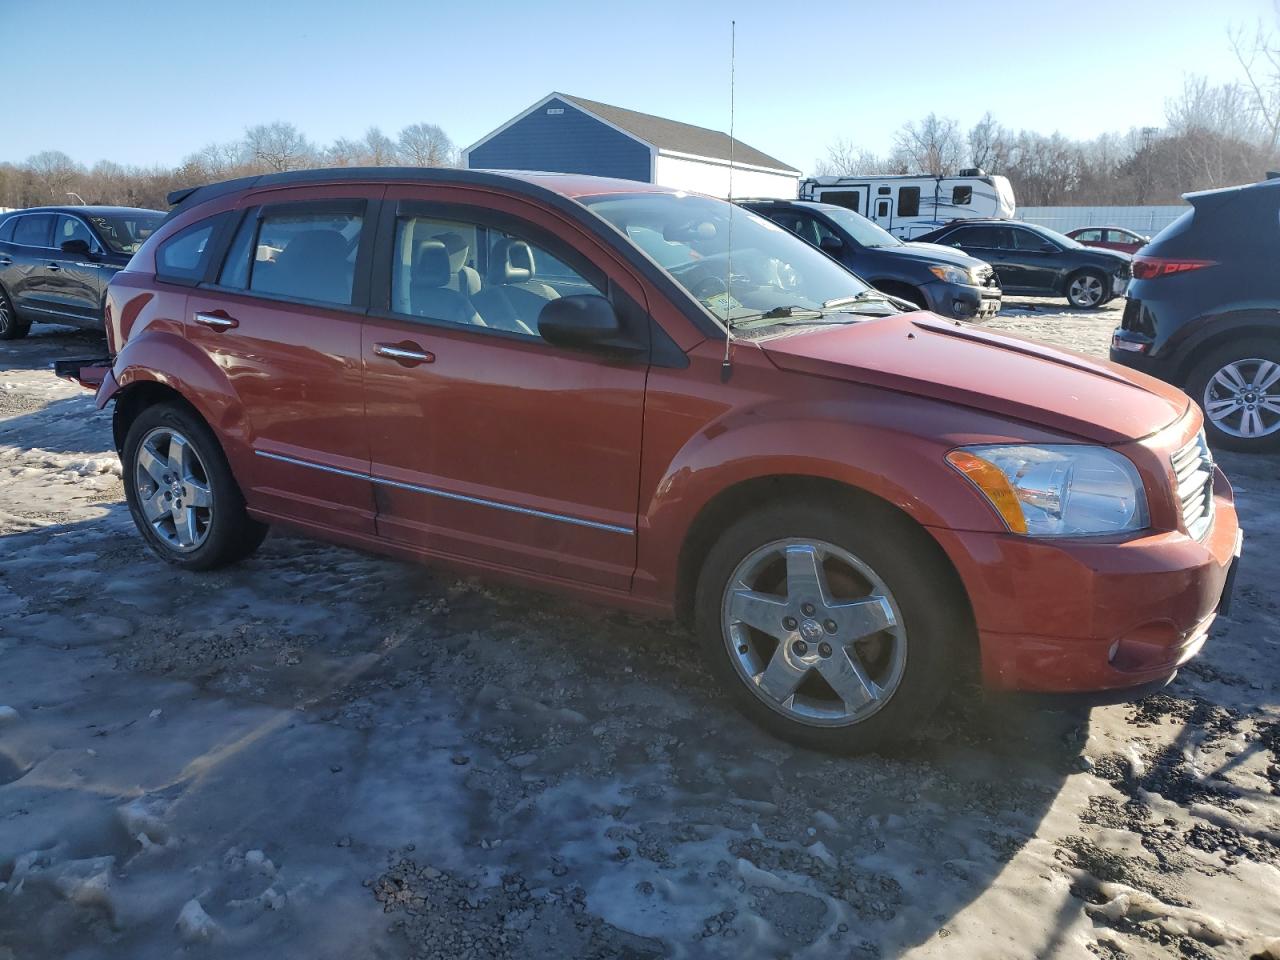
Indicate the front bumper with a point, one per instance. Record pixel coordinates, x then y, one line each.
1075 616
963 302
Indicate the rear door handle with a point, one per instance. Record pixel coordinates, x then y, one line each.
54 268
5 261
409 355
217 321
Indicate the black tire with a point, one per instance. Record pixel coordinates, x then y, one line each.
1226 433
229 534
1081 300
11 326
934 614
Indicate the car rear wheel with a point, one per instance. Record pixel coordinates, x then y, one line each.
11 328
1087 289
1238 387
181 492
832 631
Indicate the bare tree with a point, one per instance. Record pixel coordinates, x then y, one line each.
989 145
379 149
1259 57
53 173
931 146
344 152
278 146
426 145
844 159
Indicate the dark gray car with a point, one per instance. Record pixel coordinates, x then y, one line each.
55 262
948 282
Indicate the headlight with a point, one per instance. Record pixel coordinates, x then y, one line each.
950 274
1060 490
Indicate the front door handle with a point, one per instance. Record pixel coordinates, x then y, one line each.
217 321
410 355
54 268
5 261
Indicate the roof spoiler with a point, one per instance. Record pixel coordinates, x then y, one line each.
175 197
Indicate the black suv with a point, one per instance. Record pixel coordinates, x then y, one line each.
947 282
55 262
1040 262
1204 312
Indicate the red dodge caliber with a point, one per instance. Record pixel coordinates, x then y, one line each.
663 402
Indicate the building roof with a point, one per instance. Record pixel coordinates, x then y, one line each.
677 137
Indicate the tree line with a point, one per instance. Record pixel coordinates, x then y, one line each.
1213 136
52 177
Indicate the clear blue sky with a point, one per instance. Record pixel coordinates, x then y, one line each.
145 81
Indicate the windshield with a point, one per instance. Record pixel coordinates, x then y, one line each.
772 269
861 229
124 233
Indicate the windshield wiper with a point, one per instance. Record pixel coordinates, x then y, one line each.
781 313
863 297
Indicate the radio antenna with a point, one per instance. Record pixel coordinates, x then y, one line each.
726 365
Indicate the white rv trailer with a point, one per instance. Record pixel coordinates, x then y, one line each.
910 205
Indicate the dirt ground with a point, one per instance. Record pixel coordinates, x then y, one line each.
323 754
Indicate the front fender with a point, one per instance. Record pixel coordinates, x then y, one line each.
891 446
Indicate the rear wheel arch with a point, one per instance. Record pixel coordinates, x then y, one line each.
1195 351
131 400
731 504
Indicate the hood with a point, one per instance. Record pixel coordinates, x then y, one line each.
1105 256
936 253
924 355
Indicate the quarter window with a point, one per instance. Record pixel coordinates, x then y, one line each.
1027 240
184 256
908 201
470 274
307 256
33 230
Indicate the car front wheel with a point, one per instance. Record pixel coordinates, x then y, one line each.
1087 290
832 631
11 328
181 492
1238 387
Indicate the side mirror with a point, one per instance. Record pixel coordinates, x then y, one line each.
76 246
583 321
831 245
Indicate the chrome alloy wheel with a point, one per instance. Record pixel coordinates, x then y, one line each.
1243 398
1086 291
814 632
173 489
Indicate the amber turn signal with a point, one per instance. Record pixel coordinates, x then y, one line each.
990 479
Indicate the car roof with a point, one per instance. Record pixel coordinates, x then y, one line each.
569 185
807 204
1103 226
87 210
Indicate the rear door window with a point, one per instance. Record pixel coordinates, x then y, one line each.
1089 236
986 237
6 229
306 254
34 230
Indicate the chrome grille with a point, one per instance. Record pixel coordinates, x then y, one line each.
1193 473
987 278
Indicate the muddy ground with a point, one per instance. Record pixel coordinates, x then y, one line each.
324 754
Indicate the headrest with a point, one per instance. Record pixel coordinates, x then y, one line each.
432 266
512 262
327 245
456 247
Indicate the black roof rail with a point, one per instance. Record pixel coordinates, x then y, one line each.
1273 174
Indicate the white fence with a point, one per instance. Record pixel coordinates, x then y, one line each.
1145 220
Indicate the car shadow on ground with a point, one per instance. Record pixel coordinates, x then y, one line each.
400 742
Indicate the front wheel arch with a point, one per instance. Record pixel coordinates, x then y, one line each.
736 501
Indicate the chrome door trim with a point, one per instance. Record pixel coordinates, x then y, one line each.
449 495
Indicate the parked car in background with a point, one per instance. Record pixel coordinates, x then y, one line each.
1038 261
948 282
852 505
1203 312
55 262
1109 238
911 205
